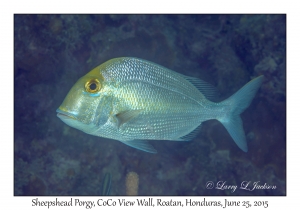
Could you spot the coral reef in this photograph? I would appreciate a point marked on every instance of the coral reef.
(132, 183)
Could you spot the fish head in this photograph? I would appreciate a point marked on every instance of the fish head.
(80, 108)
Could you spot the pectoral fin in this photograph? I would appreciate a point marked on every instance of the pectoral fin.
(126, 116)
(141, 145)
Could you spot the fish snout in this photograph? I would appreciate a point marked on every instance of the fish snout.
(64, 115)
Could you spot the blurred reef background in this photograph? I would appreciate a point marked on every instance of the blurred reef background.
(51, 52)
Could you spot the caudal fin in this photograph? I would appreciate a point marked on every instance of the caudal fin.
(239, 102)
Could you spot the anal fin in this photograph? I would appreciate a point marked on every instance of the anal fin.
(141, 145)
(191, 135)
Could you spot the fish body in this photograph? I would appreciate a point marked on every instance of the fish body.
(106, 184)
(134, 100)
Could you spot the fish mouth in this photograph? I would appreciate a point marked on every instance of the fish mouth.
(65, 115)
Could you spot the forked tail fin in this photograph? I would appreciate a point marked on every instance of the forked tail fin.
(238, 103)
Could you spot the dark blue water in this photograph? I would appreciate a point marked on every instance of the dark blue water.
(52, 51)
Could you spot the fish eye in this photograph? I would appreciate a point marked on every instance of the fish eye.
(92, 86)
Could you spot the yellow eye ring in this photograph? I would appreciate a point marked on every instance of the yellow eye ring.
(92, 86)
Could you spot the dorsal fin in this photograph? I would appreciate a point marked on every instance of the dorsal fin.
(208, 90)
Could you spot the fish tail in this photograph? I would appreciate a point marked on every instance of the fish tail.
(238, 103)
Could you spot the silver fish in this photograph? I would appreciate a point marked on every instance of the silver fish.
(106, 184)
(134, 100)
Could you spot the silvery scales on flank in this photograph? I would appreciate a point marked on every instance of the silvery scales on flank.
(133, 100)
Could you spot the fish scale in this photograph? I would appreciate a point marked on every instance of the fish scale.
(148, 72)
(155, 100)
(133, 100)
